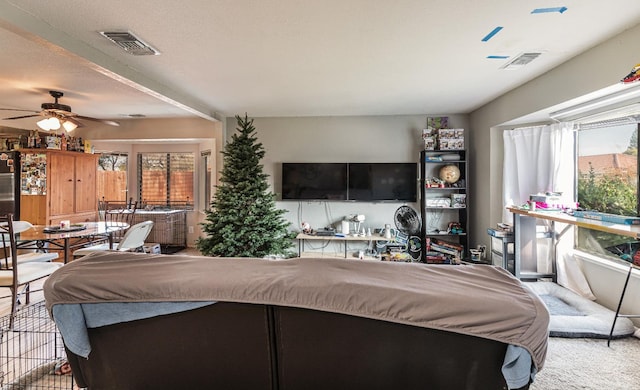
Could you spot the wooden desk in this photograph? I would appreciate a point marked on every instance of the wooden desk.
(524, 226)
(557, 216)
(36, 237)
(301, 237)
(521, 222)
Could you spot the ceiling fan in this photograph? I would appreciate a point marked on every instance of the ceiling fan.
(56, 115)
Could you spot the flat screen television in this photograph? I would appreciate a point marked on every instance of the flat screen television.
(383, 182)
(314, 181)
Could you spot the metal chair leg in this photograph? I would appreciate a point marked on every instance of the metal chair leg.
(14, 307)
(624, 289)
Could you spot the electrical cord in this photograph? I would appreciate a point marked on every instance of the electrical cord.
(327, 212)
(434, 222)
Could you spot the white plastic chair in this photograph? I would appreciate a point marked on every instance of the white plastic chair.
(133, 241)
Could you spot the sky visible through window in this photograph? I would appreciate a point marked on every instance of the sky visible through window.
(605, 140)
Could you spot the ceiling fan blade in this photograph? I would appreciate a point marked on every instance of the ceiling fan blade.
(20, 117)
(105, 121)
(15, 109)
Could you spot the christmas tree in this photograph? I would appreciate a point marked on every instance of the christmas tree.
(243, 220)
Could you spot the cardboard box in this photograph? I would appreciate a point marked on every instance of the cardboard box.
(87, 146)
(451, 139)
(459, 200)
(151, 247)
(429, 143)
(438, 202)
(53, 142)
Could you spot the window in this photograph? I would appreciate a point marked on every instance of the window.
(112, 177)
(607, 175)
(166, 179)
(206, 164)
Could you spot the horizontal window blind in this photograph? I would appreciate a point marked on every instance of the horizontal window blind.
(166, 179)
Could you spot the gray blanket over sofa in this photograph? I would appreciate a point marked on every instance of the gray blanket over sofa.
(477, 300)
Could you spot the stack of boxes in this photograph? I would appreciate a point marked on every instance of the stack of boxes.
(437, 135)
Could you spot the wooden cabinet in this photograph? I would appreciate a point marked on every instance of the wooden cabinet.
(60, 176)
(86, 185)
(69, 192)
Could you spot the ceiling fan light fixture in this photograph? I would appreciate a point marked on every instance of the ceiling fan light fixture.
(69, 126)
(54, 123)
(44, 124)
(47, 124)
(56, 115)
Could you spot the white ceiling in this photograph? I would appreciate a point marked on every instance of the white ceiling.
(287, 57)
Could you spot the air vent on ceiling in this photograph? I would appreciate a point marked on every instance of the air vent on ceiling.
(130, 43)
(520, 61)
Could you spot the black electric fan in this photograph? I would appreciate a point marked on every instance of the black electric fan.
(407, 220)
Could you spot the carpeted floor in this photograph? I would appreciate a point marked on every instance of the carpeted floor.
(589, 364)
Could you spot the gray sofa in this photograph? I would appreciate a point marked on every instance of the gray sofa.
(132, 321)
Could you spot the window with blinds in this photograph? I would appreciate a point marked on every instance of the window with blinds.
(166, 180)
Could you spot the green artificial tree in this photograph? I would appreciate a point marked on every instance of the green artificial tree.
(243, 220)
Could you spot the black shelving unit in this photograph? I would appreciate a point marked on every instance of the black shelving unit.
(437, 215)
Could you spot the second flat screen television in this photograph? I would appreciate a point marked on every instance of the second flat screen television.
(376, 182)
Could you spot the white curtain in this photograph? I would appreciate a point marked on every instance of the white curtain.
(540, 159)
(537, 159)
